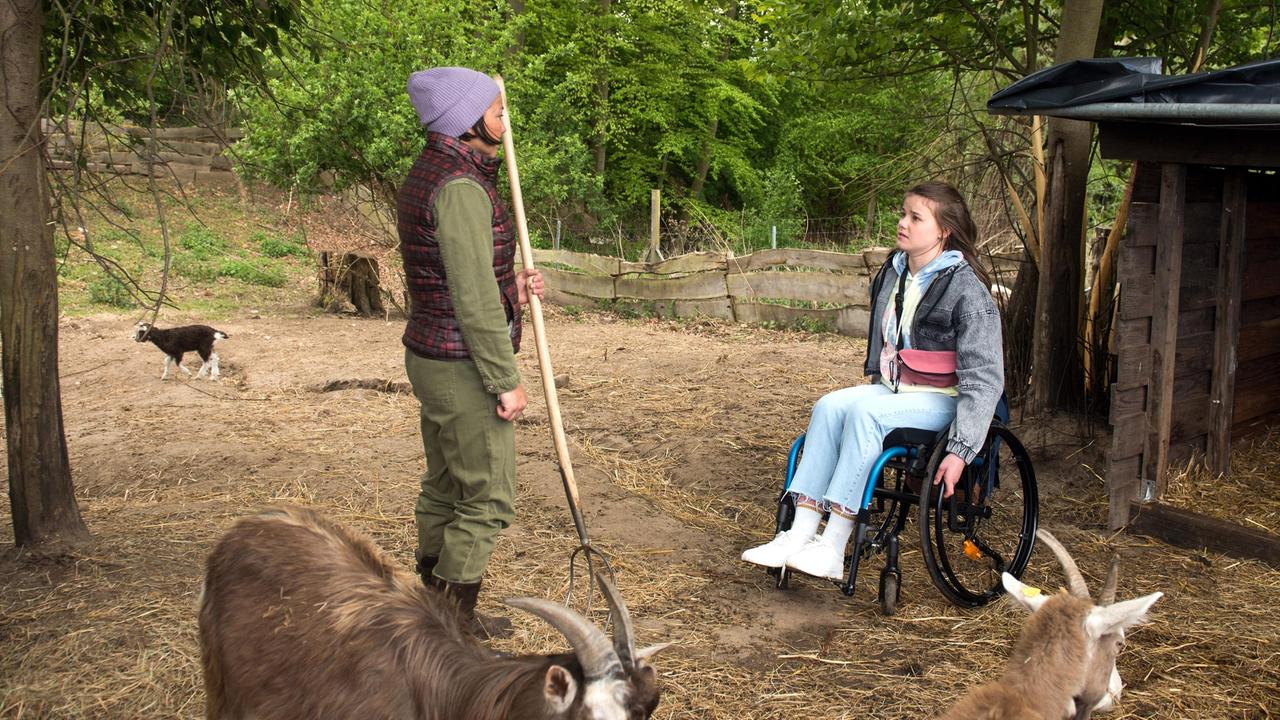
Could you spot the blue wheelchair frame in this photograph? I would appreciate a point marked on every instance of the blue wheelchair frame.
(908, 450)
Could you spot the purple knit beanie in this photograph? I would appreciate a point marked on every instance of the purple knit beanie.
(449, 100)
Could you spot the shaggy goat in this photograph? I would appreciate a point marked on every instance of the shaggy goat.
(176, 341)
(302, 618)
(1064, 663)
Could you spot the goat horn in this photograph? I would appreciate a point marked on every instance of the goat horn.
(594, 652)
(645, 653)
(1108, 595)
(623, 637)
(1075, 581)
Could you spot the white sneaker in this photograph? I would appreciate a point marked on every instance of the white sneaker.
(818, 559)
(775, 552)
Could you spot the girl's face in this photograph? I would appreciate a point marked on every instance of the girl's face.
(918, 229)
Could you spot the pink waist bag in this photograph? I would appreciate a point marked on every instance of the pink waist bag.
(935, 368)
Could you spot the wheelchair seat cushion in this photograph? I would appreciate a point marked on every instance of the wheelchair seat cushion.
(909, 436)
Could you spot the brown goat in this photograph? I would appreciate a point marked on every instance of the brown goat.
(303, 618)
(1063, 665)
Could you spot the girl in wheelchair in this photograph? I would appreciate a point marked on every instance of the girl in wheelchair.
(935, 356)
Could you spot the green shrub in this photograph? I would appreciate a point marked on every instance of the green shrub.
(812, 325)
(201, 242)
(277, 247)
(252, 273)
(189, 267)
(105, 289)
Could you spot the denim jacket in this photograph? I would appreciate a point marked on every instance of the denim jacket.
(956, 313)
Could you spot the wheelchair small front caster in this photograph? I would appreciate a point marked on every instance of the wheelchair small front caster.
(781, 578)
(784, 579)
(890, 591)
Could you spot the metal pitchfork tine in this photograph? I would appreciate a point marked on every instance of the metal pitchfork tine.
(589, 553)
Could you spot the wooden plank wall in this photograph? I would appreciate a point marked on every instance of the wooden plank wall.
(1258, 374)
(1256, 388)
(784, 286)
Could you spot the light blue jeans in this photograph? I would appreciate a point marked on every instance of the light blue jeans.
(846, 435)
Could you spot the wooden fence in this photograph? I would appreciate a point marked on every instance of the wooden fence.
(186, 154)
(785, 286)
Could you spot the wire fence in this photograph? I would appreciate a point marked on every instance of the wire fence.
(741, 233)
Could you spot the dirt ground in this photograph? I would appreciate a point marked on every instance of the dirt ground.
(679, 433)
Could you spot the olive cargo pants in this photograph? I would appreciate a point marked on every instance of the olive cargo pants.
(468, 490)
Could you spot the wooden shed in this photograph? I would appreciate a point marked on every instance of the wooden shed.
(1198, 322)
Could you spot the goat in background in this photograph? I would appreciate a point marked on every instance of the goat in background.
(303, 618)
(174, 342)
(1064, 663)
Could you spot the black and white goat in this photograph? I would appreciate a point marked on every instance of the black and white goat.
(176, 341)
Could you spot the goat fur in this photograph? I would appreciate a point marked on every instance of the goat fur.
(1063, 664)
(175, 342)
(303, 618)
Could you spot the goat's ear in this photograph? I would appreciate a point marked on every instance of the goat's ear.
(1029, 598)
(559, 688)
(1120, 616)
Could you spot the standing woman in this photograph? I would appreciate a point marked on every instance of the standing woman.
(458, 244)
(931, 295)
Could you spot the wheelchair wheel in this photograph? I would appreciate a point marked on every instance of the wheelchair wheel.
(987, 527)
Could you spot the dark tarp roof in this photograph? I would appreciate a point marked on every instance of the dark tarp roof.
(1105, 85)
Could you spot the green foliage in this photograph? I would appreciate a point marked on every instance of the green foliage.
(337, 99)
(274, 246)
(813, 325)
(804, 324)
(745, 115)
(194, 269)
(105, 289)
(107, 59)
(201, 242)
(251, 272)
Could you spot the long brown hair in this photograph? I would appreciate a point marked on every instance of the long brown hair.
(952, 214)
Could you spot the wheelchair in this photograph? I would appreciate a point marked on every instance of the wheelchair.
(986, 527)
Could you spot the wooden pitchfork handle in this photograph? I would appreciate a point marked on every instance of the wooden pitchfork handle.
(544, 355)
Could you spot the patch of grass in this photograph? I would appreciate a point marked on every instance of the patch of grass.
(105, 289)
(274, 246)
(201, 242)
(194, 269)
(804, 324)
(813, 325)
(802, 304)
(218, 266)
(253, 273)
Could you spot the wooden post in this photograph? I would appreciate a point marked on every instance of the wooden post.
(1164, 327)
(655, 218)
(1226, 334)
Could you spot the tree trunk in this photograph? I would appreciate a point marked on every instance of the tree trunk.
(1057, 381)
(704, 157)
(1210, 16)
(41, 496)
(704, 160)
(1097, 327)
(516, 51)
(602, 97)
